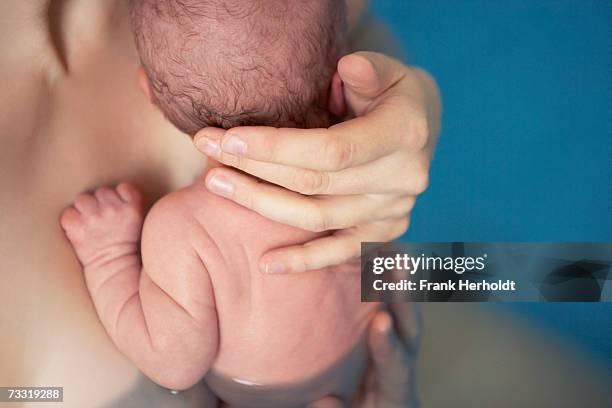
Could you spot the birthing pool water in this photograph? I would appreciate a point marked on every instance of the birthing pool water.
(525, 152)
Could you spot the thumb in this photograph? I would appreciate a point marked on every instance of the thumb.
(367, 75)
(393, 365)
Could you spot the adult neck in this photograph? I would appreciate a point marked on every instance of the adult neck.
(76, 26)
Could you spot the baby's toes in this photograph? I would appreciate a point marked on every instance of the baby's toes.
(72, 223)
(86, 204)
(107, 196)
(129, 193)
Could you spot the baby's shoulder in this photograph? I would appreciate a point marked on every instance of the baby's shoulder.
(174, 217)
(194, 207)
(193, 210)
(172, 209)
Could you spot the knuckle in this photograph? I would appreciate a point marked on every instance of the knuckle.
(410, 202)
(338, 154)
(419, 129)
(317, 224)
(269, 146)
(405, 206)
(421, 182)
(418, 179)
(402, 227)
(406, 185)
(311, 182)
(318, 221)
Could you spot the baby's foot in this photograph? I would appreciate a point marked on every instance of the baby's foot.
(105, 225)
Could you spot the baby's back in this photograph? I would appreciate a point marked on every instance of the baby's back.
(273, 329)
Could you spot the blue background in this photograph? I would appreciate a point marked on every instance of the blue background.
(525, 152)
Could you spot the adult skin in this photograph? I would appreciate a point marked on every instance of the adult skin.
(72, 118)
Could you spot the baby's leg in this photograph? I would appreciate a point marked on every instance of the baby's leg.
(169, 333)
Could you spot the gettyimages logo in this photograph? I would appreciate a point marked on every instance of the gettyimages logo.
(486, 271)
(412, 264)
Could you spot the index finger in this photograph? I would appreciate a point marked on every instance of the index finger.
(347, 144)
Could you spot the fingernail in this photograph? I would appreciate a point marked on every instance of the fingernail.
(385, 323)
(234, 145)
(209, 147)
(274, 267)
(220, 185)
(386, 341)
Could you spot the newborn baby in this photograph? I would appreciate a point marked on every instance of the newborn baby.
(182, 295)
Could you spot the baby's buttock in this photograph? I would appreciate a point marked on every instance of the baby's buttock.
(341, 379)
(287, 329)
(276, 329)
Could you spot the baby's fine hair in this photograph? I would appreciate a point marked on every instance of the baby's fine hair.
(230, 63)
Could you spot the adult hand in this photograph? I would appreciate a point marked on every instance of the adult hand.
(390, 380)
(359, 178)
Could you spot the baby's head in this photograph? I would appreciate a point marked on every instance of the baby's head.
(228, 63)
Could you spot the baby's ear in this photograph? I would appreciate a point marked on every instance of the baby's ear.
(143, 81)
(336, 104)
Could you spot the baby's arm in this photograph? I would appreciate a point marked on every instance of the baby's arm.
(159, 312)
